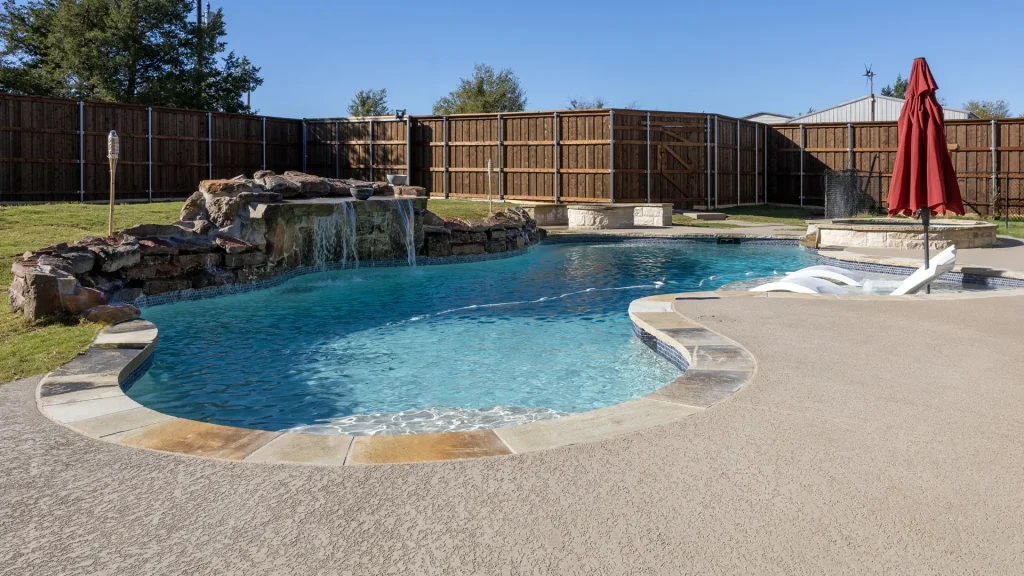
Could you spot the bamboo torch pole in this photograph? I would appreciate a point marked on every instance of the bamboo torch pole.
(112, 151)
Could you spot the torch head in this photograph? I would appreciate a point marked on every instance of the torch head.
(112, 145)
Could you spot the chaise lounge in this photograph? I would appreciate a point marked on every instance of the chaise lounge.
(827, 279)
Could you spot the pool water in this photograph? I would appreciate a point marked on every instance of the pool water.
(433, 348)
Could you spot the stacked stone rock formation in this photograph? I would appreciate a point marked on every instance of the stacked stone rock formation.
(245, 230)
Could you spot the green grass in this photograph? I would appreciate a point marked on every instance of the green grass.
(1016, 228)
(680, 220)
(464, 208)
(775, 215)
(27, 349)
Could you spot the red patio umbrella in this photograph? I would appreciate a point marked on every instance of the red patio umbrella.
(923, 179)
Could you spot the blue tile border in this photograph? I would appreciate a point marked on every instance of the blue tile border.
(661, 349)
(709, 239)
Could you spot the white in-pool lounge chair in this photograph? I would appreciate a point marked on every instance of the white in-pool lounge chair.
(810, 281)
(833, 273)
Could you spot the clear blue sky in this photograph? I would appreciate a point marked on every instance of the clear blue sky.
(727, 57)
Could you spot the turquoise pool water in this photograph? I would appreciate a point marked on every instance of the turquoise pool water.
(430, 348)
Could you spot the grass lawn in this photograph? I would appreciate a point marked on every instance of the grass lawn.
(1016, 228)
(27, 349)
(777, 215)
(680, 220)
(464, 208)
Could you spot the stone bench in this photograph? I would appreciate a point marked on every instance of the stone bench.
(601, 216)
(549, 214)
(652, 214)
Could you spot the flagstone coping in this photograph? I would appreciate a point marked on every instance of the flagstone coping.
(87, 395)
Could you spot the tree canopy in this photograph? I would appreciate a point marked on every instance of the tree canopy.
(149, 52)
(581, 104)
(487, 91)
(897, 89)
(988, 108)
(369, 103)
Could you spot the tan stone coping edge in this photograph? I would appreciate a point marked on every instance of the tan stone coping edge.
(86, 395)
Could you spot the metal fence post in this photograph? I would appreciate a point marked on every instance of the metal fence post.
(764, 196)
(501, 159)
(81, 151)
(707, 161)
(849, 146)
(337, 151)
(995, 162)
(263, 142)
(757, 164)
(611, 156)
(408, 150)
(371, 150)
(149, 145)
(647, 138)
(716, 160)
(801, 164)
(303, 146)
(554, 127)
(209, 145)
(739, 196)
(444, 154)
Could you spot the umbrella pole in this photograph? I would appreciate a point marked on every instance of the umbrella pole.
(926, 215)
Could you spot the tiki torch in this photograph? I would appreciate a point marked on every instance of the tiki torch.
(112, 159)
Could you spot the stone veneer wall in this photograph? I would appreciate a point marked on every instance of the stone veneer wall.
(234, 232)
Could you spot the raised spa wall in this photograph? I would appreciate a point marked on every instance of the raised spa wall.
(904, 234)
(235, 231)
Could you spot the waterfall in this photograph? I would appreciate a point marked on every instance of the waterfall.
(334, 238)
(406, 212)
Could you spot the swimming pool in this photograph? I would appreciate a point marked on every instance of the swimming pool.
(434, 348)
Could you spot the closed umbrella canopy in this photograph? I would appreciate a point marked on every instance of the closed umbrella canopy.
(923, 176)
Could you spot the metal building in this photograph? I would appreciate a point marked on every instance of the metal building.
(768, 118)
(869, 109)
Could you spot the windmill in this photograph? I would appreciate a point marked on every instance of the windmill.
(870, 75)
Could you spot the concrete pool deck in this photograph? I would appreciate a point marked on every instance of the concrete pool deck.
(837, 457)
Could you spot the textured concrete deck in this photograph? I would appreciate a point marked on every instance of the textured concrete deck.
(837, 458)
(1008, 255)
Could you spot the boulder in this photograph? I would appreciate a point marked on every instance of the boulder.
(157, 246)
(431, 219)
(82, 261)
(194, 208)
(233, 245)
(309, 185)
(223, 209)
(114, 257)
(280, 185)
(160, 286)
(417, 191)
(35, 294)
(339, 187)
(214, 277)
(230, 187)
(112, 314)
(246, 260)
(82, 300)
(260, 174)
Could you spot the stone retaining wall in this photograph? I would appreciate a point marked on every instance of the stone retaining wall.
(245, 230)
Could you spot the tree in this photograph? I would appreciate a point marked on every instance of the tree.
(369, 103)
(988, 108)
(149, 52)
(486, 91)
(580, 104)
(898, 89)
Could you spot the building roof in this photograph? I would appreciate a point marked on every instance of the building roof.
(748, 116)
(893, 103)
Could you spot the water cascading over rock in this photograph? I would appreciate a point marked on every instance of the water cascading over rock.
(334, 238)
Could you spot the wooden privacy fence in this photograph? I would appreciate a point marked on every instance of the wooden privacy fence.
(54, 150)
(602, 155)
(988, 156)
